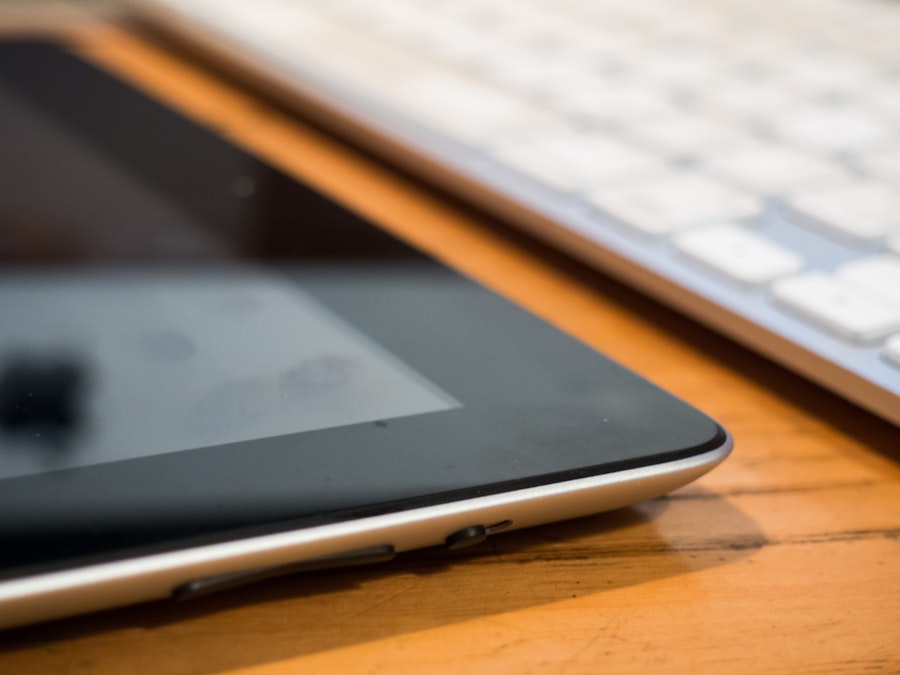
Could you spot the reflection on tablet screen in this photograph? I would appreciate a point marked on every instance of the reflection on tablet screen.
(186, 360)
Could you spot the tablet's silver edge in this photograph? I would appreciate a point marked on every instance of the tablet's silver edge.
(66, 593)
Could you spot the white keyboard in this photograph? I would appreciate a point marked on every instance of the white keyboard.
(738, 159)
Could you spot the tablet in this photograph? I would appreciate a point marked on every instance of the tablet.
(211, 373)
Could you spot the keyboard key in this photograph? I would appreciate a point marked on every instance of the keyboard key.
(516, 70)
(838, 307)
(862, 212)
(602, 100)
(448, 40)
(884, 165)
(893, 243)
(575, 160)
(771, 169)
(878, 276)
(681, 67)
(673, 203)
(831, 129)
(395, 20)
(463, 109)
(884, 99)
(828, 73)
(685, 135)
(892, 350)
(739, 254)
(742, 99)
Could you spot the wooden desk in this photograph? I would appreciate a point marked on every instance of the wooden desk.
(785, 558)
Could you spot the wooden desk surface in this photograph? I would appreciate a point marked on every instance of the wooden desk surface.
(784, 559)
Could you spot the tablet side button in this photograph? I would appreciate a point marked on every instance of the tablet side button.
(468, 536)
(208, 585)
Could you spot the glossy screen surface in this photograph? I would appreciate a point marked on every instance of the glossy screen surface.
(195, 346)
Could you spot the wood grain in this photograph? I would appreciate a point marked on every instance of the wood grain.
(784, 559)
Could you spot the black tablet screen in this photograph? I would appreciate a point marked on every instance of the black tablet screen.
(193, 343)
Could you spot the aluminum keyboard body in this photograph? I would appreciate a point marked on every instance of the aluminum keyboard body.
(738, 160)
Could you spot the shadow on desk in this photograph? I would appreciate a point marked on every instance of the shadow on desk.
(289, 617)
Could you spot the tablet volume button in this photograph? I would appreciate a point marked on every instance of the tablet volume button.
(209, 585)
(468, 536)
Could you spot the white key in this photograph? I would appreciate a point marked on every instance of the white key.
(827, 73)
(863, 212)
(395, 20)
(578, 83)
(893, 243)
(685, 134)
(831, 129)
(738, 253)
(514, 69)
(838, 307)
(771, 169)
(575, 161)
(535, 77)
(680, 67)
(463, 109)
(884, 100)
(878, 276)
(674, 203)
(606, 101)
(884, 165)
(759, 56)
(525, 27)
(450, 41)
(746, 100)
(892, 349)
